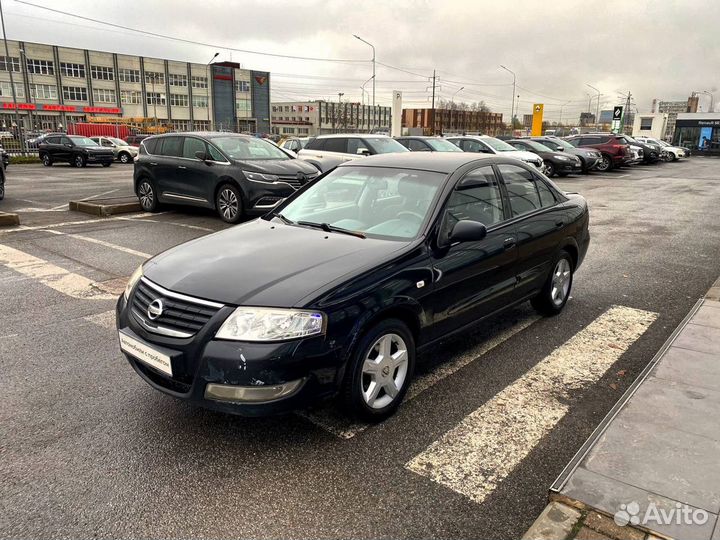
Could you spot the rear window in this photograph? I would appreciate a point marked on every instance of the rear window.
(150, 145)
(336, 145)
(170, 146)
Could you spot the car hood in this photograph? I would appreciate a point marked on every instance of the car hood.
(521, 154)
(278, 166)
(265, 263)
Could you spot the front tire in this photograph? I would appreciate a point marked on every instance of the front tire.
(228, 203)
(555, 293)
(79, 162)
(46, 160)
(124, 157)
(147, 196)
(549, 169)
(380, 371)
(605, 164)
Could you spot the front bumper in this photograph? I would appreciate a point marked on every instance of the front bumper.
(100, 158)
(249, 379)
(567, 166)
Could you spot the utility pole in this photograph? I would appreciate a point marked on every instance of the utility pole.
(12, 84)
(512, 106)
(626, 110)
(597, 113)
(340, 95)
(432, 115)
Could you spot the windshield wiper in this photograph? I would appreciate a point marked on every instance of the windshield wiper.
(331, 228)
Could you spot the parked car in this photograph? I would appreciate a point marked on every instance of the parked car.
(614, 151)
(2, 183)
(295, 144)
(490, 145)
(667, 151)
(35, 140)
(74, 149)
(327, 151)
(636, 154)
(589, 157)
(123, 151)
(5, 157)
(335, 291)
(555, 162)
(135, 140)
(427, 144)
(651, 151)
(230, 173)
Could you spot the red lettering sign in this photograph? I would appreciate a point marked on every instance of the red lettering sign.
(21, 106)
(102, 110)
(64, 108)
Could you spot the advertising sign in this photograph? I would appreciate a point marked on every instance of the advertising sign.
(617, 118)
(537, 119)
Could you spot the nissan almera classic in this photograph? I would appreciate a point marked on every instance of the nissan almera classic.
(336, 290)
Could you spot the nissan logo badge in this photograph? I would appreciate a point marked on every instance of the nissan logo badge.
(155, 309)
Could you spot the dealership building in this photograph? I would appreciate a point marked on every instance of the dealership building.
(56, 86)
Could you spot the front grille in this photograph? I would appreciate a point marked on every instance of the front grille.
(181, 316)
(294, 181)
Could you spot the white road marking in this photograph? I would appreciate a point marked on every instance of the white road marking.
(106, 319)
(336, 423)
(23, 228)
(173, 223)
(53, 276)
(103, 243)
(91, 197)
(481, 451)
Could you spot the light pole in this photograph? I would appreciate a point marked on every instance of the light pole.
(12, 84)
(561, 110)
(363, 95)
(452, 101)
(512, 107)
(23, 58)
(340, 95)
(597, 113)
(207, 72)
(373, 73)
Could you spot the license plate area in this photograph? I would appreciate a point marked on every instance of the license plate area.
(146, 354)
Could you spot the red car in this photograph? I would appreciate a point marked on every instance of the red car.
(615, 152)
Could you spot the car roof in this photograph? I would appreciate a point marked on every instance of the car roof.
(346, 135)
(206, 134)
(421, 137)
(442, 162)
(471, 137)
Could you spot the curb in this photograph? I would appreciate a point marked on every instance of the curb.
(556, 522)
(106, 207)
(9, 220)
(714, 291)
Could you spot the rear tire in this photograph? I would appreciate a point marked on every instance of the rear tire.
(47, 160)
(229, 204)
(147, 196)
(555, 293)
(124, 157)
(379, 372)
(79, 162)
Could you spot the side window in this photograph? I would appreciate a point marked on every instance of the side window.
(547, 197)
(418, 146)
(585, 141)
(150, 145)
(473, 146)
(520, 146)
(574, 142)
(215, 153)
(105, 142)
(520, 184)
(338, 144)
(477, 197)
(316, 144)
(53, 140)
(404, 142)
(353, 145)
(192, 145)
(170, 146)
(65, 140)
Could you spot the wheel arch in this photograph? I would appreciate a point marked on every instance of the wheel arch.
(570, 245)
(223, 180)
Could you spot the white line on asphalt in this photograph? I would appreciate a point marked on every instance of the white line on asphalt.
(106, 319)
(103, 243)
(91, 197)
(336, 423)
(173, 223)
(481, 451)
(53, 276)
(23, 228)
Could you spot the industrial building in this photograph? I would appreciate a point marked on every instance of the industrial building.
(439, 121)
(311, 118)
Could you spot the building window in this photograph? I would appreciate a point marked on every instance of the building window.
(74, 93)
(102, 73)
(155, 98)
(180, 125)
(200, 101)
(154, 77)
(242, 86)
(43, 91)
(40, 67)
(645, 123)
(177, 80)
(199, 82)
(104, 95)
(303, 131)
(129, 75)
(201, 125)
(179, 100)
(243, 107)
(287, 130)
(8, 63)
(6, 90)
(72, 70)
(130, 97)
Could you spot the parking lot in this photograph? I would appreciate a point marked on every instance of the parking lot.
(89, 449)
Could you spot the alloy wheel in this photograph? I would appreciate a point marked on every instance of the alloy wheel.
(384, 371)
(46, 160)
(79, 161)
(228, 204)
(124, 158)
(604, 164)
(549, 169)
(560, 282)
(146, 195)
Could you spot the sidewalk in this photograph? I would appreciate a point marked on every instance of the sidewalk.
(653, 464)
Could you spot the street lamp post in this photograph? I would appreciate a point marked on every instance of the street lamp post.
(207, 72)
(512, 106)
(373, 73)
(18, 129)
(561, 110)
(452, 101)
(31, 86)
(597, 112)
(363, 95)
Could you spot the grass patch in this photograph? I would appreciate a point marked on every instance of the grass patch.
(19, 160)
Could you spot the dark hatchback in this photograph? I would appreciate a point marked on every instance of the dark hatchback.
(334, 292)
(230, 173)
(555, 162)
(74, 149)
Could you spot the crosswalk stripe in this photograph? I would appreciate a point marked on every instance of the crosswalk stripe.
(474, 457)
(53, 276)
(338, 424)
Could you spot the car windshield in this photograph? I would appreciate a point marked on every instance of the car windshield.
(117, 142)
(498, 145)
(83, 141)
(442, 145)
(249, 148)
(663, 143)
(559, 142)
(385, 145)
(538, 147)
(378, 202)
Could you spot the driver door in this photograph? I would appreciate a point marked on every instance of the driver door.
(473, 279)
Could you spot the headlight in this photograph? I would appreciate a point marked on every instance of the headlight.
(134, 278)
(562, 158)
(260, 177)
(270, 324)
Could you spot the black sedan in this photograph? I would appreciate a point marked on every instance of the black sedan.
(336, 291)
(555, 162)
(589, 157)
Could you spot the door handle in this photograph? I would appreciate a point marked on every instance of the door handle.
(509, 242)
(153, 163)
(181, 167)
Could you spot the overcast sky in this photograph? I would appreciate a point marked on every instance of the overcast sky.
(655, 49)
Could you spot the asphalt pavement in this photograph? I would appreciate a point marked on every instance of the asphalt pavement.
(87, 449)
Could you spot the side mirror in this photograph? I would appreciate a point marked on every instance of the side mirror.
(560, 148)
(202, 156)
(468, 230)
(363, 152)
(69, 145)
